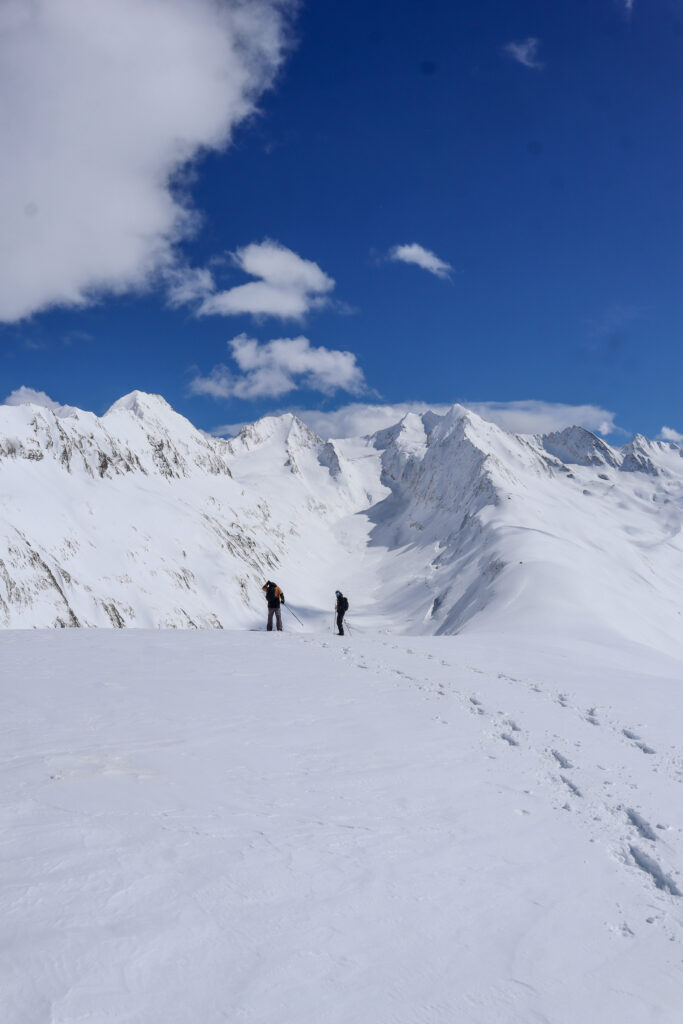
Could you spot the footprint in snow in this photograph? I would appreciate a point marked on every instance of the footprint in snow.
(641, 825)
(636, 740)
(477, 706)
(571, 787)
(509, 739)
(562, 760)
(622, 930)
(650, 866)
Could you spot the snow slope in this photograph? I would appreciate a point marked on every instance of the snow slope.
(506, 532)
(211, 826)
(436, 525)
(135, 519)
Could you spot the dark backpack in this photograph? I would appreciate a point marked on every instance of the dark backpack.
(343, 604)
(270, 596)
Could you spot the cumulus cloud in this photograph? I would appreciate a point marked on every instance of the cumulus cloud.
(279, 367)
(29, 396)
(525, 53)
(421, 257)
(286, 285)
(525, 417)
(103, 104)
(669, 434)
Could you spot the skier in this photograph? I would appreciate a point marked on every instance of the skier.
(341, 608)
(274, 597)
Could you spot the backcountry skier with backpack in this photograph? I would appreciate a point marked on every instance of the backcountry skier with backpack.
(275, 598)
(341, 608)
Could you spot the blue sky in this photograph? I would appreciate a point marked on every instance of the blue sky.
(535, 148)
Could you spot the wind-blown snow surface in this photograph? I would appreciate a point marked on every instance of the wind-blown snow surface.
(229, 826)
(436, 525)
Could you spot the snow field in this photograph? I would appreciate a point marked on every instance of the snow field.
(232, 826)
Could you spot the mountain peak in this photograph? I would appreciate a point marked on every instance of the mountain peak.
(141, 403)
(578, 446)
(283, 428)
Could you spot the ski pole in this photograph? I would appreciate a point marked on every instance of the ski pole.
(294, 614)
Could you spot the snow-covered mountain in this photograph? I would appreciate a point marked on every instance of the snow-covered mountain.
(539, 532)
(139, 519)
(437, 524)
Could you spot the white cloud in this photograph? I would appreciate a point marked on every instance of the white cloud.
(287, 285)
(279, 367)
(526, 417)
(29, 396)
(360, 418)
(536, 417)
(103, 103)
(525, 52)
(186, 285)
(669, 434)
(421, 257)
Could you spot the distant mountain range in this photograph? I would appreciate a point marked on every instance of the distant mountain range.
(439, 523)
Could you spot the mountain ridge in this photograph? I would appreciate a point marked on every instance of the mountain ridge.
(436, 524)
